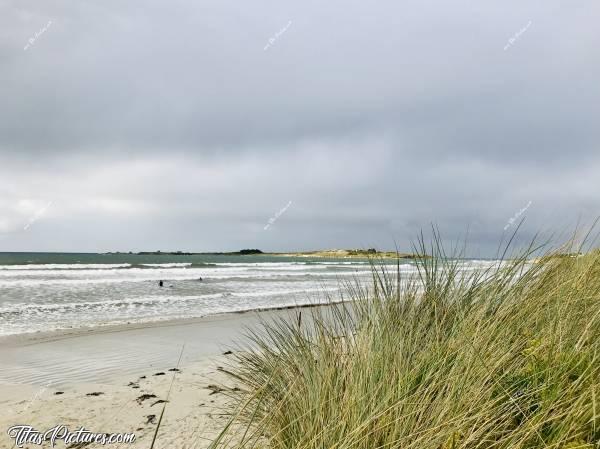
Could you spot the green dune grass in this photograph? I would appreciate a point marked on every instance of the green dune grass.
(507, 357)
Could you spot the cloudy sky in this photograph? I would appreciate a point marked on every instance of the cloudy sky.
(145, 125)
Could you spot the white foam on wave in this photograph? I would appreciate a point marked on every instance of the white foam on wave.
(267, 293)
(25, 318)
(66, 266)
(257, 264)
(130, 272)
(107, 303)
(24, 308)
(167, 265)
(358, 262)
(188, 275)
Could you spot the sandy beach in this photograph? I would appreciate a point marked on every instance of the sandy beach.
(299, 225)
(115, 379)
(131, 404)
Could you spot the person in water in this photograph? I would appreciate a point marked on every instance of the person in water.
(160, 283)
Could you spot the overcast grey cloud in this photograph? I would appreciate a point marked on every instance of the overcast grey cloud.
(165, 125)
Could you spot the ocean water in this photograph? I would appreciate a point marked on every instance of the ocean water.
(41, 292)
(45, 291)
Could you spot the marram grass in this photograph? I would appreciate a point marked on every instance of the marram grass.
(503, 358)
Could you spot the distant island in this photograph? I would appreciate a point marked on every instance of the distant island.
(348, 253)
(243, 252)
(330, 253)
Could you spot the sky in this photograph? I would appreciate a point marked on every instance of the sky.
(195, 125)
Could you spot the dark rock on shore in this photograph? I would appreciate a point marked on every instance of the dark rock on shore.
(143, 397)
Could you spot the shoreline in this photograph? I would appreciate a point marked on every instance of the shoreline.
(39, 337)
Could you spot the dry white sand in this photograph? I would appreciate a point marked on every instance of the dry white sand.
(193, 415)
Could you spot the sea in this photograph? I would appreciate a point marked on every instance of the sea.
(52, 291)
(61, 291)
